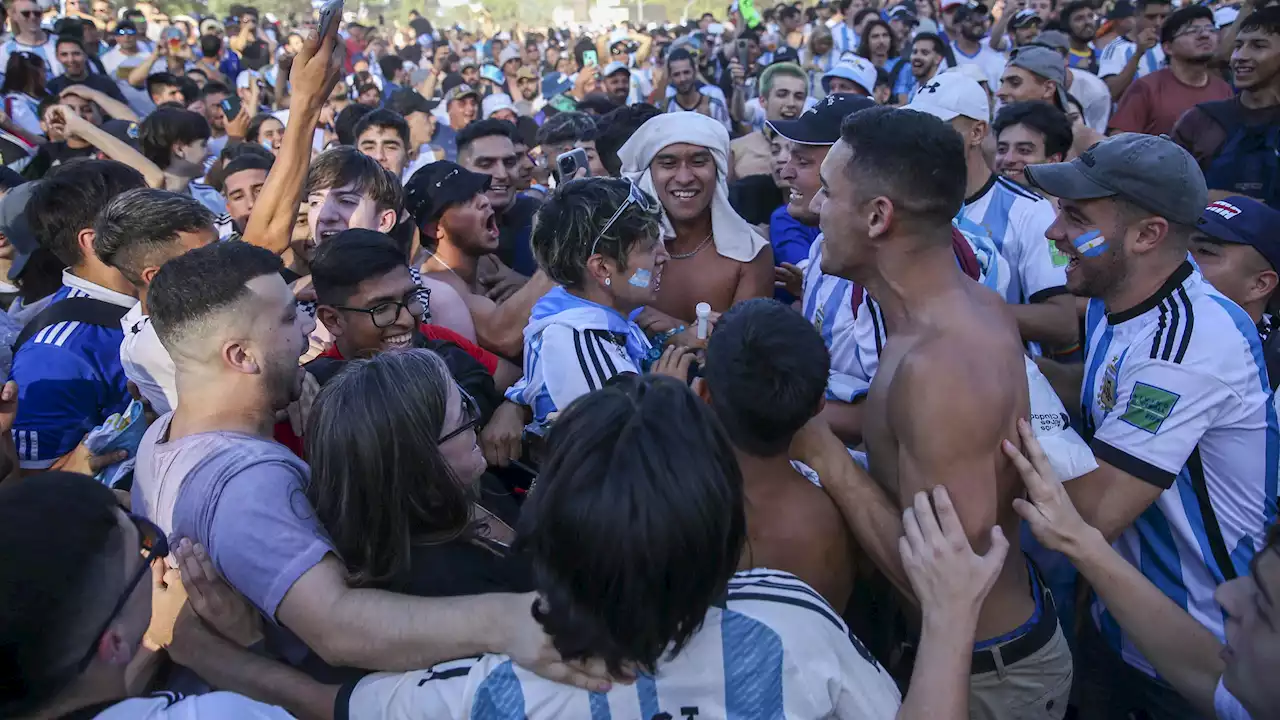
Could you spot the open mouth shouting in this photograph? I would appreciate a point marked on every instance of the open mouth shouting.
(491, 225)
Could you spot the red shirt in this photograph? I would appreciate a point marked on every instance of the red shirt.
(1153, 103)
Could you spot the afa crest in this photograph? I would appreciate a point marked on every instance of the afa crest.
(1107, 394)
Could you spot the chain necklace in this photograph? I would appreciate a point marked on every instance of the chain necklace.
(686, 256)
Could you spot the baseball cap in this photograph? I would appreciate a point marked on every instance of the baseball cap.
(970, 9)
(1054, 40)
(1242, 220)
(526, 73)
(1046, 63)
(556, 84)
(854, 69)
(509, 53)
(124, 130)
(949, 4)
(491, 73)
(785, 54)
(210, 26)
(951, 95)
(13, 223)
(437, 186)
(927, 25)
(1122, 9)
(466, 63)
(495, 103)
(614, 67)
(902, 13)
(1026, 17)
(1150, 171)
(459, 91)
(820, 124)
(407, 101)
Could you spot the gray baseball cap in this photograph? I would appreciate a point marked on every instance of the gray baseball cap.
(1046, 63)
(1150, 171)
(1054, 40)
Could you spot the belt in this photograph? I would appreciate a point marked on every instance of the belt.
(1022, 647)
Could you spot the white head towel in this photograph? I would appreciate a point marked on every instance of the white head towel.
(734, 237)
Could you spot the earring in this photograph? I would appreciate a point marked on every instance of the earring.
(608, 282)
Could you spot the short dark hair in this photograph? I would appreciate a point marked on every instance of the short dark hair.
(1182, 17)
(482, 129)
(1070, 9)
(55, 592)
(1266, 20)
(787, 11)
(136, 224)
(864, 12)
(567, 127)
(349, 258)
(913, 158)
(767, 372)
(615, 129)
(210, 45)
(69, 199)
(384, 119)
(161, 79)
(570, 219)
(252, 132)
(345, 165)
(681, 53)
(939, 45)
(390, 65)
(345, 124)
(1142, 4)
(653, 469)
(166, 127)
(69, 40)
(196, 285)
(248, 161)
(1040, 116)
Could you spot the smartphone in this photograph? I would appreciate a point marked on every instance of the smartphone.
(230, 107)
(173, 36)
(589, 57)
(568, 163)
(330, 14)
(744, 53)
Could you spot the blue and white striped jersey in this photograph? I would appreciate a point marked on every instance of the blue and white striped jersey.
(48, 52)
(1117, 53)
(572, 346)
(1175, 393)
(844, 39)
(69, 380)
(1016, 219)
(775, 649)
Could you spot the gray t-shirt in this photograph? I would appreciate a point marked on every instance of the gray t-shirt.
(240, 496)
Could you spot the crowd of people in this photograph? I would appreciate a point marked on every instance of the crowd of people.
(850, 360)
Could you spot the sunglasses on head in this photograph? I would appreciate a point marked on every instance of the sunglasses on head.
(635, 196)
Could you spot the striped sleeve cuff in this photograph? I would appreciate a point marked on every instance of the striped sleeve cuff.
(1136, 467)
(846, 388)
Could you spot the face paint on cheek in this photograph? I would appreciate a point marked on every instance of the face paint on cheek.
(640, 278)
(1090, 244)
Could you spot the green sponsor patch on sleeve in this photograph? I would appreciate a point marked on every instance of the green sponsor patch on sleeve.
(1149, 406)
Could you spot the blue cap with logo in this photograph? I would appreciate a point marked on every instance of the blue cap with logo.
(1242, 220)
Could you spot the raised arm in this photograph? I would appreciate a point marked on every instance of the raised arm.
(313, 77)
(138, 75)
(500, 326)
(110, 145)
(109, 105)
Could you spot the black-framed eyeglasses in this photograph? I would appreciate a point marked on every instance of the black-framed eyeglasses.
(470, 417)
(386, 314)
(635, 196)
(154, 546)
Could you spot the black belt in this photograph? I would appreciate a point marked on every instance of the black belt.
(1019, 649)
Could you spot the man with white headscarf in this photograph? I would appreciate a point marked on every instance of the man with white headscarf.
(682, 159)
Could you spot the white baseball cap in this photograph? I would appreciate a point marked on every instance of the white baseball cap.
(951, 95)
(495, 103)
(856, 69)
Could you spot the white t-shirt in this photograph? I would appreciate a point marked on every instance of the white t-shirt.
(1094, 95)
(991, 61)
(138, 98)
(47, 51)
(147, 363)
(1116, 55)
(210, 706)
(1175, 393)
(776, 649)
(1017, 219)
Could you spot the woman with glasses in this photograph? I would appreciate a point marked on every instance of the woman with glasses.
(396, 481)
(581, 333)
(23, 89)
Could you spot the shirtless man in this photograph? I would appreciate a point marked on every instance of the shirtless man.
(791, 524)
(716, 257)
(941, 401)
(451, 208)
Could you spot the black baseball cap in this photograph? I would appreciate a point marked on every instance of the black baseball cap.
(13, 223)
(407, 101)
(436, 187)
(1241, 220)
(820, 124)
(785, 54)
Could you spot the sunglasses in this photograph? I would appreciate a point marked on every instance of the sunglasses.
(470, 417)
(154, 546)
(126, 31)
(29, 13)
(635, 196)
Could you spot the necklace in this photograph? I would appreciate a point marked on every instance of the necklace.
(686, 256)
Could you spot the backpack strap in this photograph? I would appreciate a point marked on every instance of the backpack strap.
(79, 309)
(1224, 112)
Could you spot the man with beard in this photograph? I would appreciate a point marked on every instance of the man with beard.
(1080, 21)
(529, 101)
(1131, 56)
(1022, 28)
(682, 73)
(1234, 141)
(76, 71)
(683, 161)
(451, 206)
(1175, 395)
(617, 83)
(928, 55)
(891, 187)
(1029, 133)
(488, 147)
(1154, 102)
(969, 45)
(783, 89)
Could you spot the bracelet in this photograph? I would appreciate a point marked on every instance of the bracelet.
(659, 342)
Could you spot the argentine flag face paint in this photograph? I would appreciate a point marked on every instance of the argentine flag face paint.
(1091, 244)
(640, 278)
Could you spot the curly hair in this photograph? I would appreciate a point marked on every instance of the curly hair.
(570, 221)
